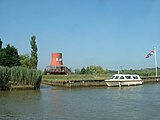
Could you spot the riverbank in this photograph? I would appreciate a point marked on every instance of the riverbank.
(20, 87)
(85, 80)
(75, 80)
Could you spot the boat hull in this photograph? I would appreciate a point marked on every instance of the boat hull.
(123, 83)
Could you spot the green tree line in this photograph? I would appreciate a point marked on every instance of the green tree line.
(10, 57)
(18, 69)
(100, 70)
(91, 70)
(142, 72)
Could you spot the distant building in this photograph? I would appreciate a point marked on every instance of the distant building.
(56, 66)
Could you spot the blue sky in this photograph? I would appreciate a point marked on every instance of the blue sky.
(109, 33)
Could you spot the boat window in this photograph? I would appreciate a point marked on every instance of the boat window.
(121, 77)
(116, 77)
(128, 77)
(135, 77)
(113, 77)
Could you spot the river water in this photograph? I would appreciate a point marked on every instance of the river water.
(90, 103)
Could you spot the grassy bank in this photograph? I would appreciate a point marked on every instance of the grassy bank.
(19, 76)
(75, 80)
(75, 77)
(86, 80)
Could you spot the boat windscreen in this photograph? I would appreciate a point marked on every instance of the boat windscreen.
(116, 77)
(128, 77)
(121, 77)
(112, 77)
(135, 77)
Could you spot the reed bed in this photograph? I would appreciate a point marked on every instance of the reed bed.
(19, 76)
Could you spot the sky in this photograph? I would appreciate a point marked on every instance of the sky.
(114, 34)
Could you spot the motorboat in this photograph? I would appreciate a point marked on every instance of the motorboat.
(124, 80)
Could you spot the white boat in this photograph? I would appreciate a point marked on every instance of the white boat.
(124, 80)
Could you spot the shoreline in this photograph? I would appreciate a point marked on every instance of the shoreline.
(89, 83)
(75, 82)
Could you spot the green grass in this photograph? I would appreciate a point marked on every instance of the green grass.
(76, 77)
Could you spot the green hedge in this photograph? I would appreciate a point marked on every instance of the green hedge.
(19, 76)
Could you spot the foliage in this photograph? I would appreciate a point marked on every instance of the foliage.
(2, 56)
(112, 71)
(83, 71)
(30, 61)
(22, 75)
(4, 77)
(9, 56)
(77, 71)
(97, 70)
(34, 55)
(93, 70)
(142, 72)
(19, 76)
(25, 61)
(0, 43)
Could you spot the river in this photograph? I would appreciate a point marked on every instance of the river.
(90, 103)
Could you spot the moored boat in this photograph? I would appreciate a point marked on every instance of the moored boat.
(124, 80)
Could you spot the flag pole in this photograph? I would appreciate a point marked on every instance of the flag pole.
(156, 66)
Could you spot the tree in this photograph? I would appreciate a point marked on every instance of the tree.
(34, 55)
(25, 61)
(93, 70)
(9, 56)
(2, 56)
(77, 71)
(83, 71)
(99, 70)
(1, 43)
(88, 70)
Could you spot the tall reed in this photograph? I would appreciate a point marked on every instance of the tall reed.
(19, 76)
(4, 77)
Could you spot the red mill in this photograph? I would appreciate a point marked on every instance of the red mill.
(56, 66)
(56, 59)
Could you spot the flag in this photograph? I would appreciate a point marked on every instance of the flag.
(151, 53)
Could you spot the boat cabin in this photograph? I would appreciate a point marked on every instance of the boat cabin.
(125, 77)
